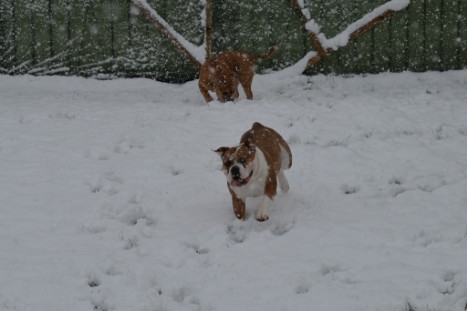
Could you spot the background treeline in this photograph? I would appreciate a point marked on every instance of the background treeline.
(110, 38)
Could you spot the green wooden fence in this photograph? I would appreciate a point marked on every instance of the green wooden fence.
(110, 37)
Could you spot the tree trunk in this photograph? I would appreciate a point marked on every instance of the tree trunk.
(208, 33)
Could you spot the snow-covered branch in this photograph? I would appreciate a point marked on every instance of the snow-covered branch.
(365, 23)
(195, 54)
(325, 46)
(310, 25)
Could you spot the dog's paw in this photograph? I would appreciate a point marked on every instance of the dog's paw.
(283, 183)
(261, 217)
(284, 187)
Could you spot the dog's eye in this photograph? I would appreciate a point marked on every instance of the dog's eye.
(242, 161)
(228, 163)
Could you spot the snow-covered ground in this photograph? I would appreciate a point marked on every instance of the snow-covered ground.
(112, 199)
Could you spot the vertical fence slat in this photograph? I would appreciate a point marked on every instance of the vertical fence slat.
(315, 9)
(3, 30)
(94, 36)
(23, 36)
(274, 32)
(140, 51)
(398, 53)
(346, 58)
(59, 40)
(14, 34)
(364, 44)
(331, 26)
(449, 34)
(50, 29)
(121, 37)
(253, 15)
(462, 35)
(416, 36)
(382, 46)
(184, 17)
(41, 34)
(433, 34)
(226, 21)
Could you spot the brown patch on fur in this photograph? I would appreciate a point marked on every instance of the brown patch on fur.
(270, 143)
(238, 205)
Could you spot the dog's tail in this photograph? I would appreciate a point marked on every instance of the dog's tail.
(268, 54)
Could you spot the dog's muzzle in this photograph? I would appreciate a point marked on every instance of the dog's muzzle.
(237, 180)
(227, 97)
(235, 172)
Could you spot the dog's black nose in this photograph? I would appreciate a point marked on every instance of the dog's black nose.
(235, 172)
(227, 97)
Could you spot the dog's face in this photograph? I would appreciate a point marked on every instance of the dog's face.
(238, 163)
(227, 91)
(226, 84)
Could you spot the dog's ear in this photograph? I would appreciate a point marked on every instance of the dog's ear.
(220, 151)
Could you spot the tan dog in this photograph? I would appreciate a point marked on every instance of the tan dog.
(223, 72)
(254, 167)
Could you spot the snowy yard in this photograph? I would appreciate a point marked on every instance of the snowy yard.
(112, 199)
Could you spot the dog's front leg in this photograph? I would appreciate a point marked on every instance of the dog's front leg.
(262, 211)
(238, 206)
(204, 91)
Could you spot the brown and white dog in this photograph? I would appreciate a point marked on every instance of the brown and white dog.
(254, 167)
(222, 74)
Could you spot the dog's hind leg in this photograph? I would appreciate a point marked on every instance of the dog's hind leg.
(283, 182)
(248, 92)
(246, 80)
